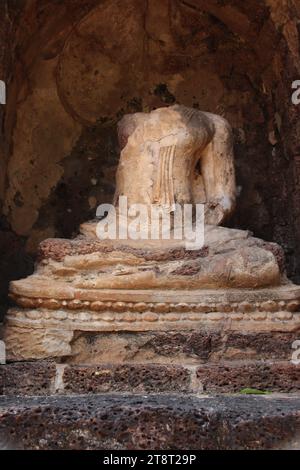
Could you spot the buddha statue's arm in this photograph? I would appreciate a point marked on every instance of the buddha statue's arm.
(217, 168)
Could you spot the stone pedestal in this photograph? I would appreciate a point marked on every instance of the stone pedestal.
(47, 327)
(86, 288)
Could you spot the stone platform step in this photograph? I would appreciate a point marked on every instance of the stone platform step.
(50, 378)
(149, 422)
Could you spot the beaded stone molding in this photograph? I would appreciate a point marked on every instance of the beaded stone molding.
(158, 307)
(275, 299)
(50, 317)
(122, 314)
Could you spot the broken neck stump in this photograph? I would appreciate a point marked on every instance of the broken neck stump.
(93, 300)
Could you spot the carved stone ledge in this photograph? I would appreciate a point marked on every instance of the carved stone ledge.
(39, 333)
(39, 318)
(284, 298)
(42, 327)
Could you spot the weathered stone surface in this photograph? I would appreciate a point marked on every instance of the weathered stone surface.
(171, 346)
(42, 343)
(49, 378)
(153, 347)
(264, 376)
(263, 345)
(40, 334)
(133, 378)
(151, 422)
(28, 378)
(183, 347)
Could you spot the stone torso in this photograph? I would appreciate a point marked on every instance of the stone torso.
(160, 154)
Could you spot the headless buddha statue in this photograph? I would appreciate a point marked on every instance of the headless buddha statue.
(169, 157)
(177, 155)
